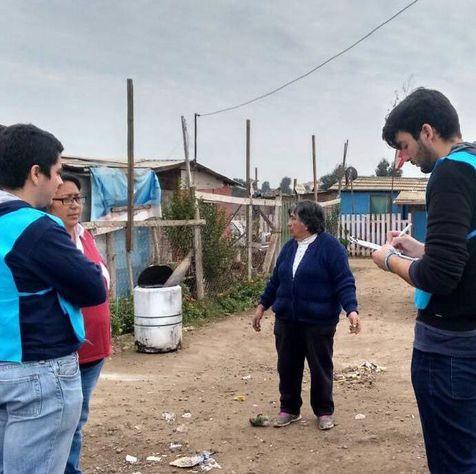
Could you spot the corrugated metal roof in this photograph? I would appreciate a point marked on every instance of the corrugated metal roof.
(300, 189)
(384, 183)
(416, 198)
(80, 162)
(83, 164)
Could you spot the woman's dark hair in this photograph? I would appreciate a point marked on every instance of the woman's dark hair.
(69, 177)
(23, 146)
(310, 214)
(420, 107)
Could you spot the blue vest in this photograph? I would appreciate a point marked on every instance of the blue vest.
(12, 225)
(422, 298)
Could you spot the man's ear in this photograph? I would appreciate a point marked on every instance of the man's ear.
(34, 174)
(428, 134)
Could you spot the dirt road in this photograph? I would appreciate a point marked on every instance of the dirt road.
(226, 359)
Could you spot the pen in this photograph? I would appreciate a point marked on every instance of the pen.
(405, 230)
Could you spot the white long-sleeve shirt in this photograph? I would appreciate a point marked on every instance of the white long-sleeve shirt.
(301, 250)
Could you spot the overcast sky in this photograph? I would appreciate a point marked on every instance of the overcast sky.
(64, 66)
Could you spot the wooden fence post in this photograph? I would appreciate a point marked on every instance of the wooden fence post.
(249, 208)
(314, 169)
(130, 180)
(111, 264)
(197, 235)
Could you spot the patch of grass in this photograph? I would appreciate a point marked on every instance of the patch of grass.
(240, 297)
(122, 316)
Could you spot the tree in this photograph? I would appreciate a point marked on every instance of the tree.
(395, 172)
(385, 169)
(331, 178)
(240, 181)
(239, 191)
(285, 185)
(265, 187)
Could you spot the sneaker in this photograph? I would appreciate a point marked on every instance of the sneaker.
(285, 419)
(326, 422)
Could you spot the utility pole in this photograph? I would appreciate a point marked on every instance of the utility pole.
(249, 208)
(195, 117)
(314, 170)
(346, 144)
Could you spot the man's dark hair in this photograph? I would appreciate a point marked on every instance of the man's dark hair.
(310, 214)
(21, 147)
(69, 177)
(420, 107)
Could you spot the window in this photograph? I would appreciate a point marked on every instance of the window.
(380, 203)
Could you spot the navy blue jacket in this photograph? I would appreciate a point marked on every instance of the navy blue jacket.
(44, 280)
(447, 270)
(322, 285)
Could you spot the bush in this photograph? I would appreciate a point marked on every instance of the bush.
(122, 316)
(217, 246)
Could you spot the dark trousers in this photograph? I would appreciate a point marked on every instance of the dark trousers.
(294, 343)
(445, 390)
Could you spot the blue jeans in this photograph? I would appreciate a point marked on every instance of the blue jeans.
(445, 390)
(89, 378)
(40, 404)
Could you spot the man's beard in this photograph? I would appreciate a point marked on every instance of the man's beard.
(426, 158)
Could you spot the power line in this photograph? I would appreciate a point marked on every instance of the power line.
(353, 45)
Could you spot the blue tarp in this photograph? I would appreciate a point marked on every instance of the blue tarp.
(109, 189)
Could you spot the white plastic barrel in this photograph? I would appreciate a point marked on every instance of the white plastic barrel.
(158, 318)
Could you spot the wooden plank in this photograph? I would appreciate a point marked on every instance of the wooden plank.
(277, 224)
(243, 201)
(130, 164)
(197, 236)
(268, 259)
(249, 209)
(265, 217)
(111, 264)
(198, 252)
(314, 169)
(116, 225)
(155, 245)
(367, 234)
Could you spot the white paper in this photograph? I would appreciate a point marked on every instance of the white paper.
(372, 246)
(364, 243)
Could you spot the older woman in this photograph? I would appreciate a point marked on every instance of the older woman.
(310, 284)
(67, 205)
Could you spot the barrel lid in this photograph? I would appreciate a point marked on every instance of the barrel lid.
(154, 276)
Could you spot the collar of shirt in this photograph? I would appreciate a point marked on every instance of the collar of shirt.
(5, 196)
(79, 232)
(307, 240)
(301, 250)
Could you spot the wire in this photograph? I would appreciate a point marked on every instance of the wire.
(353, 45)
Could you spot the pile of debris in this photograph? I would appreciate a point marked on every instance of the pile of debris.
(364, 373)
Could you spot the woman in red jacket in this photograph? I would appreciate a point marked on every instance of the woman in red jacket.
(67, 205)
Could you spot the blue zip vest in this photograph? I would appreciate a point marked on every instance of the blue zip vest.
(422, 298)
(13, 224)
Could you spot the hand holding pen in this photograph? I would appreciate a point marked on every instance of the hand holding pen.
(404, 243)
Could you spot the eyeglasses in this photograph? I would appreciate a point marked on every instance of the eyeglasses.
(69, 200)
